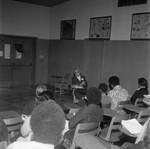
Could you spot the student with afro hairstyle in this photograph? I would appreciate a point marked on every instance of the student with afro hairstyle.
(25, 128)
(47, 124)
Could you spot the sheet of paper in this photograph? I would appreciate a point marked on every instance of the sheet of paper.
(7, 51)
(132, 125)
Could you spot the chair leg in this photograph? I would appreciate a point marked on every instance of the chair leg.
(75, 100)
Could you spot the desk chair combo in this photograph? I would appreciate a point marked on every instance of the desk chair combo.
(13, 122)
(62, 86)
(143, 116)
(83, 129)
(112, 132)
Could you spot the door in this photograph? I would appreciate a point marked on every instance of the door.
(16, 61)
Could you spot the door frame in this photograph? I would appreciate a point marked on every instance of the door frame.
(33, 53)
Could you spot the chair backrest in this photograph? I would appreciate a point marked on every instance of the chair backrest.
(3, 145)
(87, 128)
(65, 77)
(139, 102)
(115, 125)
(13, 124)
(143, 116)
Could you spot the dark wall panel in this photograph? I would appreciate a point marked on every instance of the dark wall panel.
(42, 50)
(64, 56)
(93, 61)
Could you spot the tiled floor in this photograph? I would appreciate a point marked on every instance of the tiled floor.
(15, 99)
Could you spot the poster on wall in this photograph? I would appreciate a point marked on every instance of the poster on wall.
(67, 29)
(100, 27)
(140, 28)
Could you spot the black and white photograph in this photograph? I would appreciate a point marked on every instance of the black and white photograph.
(74, 74)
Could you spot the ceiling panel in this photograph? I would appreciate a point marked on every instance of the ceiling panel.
(48, 3)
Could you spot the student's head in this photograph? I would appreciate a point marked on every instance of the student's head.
(77, 72)
(41, 99)
(142, 82)
(103, 88)
(39, 89)
(94, 96)
(113, 81)
(47, 123)
(48, 95)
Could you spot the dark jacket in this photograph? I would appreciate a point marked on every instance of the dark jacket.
(75, 81)
(138, 94)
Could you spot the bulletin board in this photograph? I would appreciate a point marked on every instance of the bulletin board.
(140, 28)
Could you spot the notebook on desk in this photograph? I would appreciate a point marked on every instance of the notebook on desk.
(132, 125)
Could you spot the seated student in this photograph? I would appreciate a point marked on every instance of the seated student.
(25, 128)
(79, 85)
(47, 124)
(117, 93)
(142, 90)
(41, 95)
(91, 113)
(41, 90)
(106, 100)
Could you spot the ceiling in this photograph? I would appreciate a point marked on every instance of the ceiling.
(48, 3)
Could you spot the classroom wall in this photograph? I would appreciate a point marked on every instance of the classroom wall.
(83, 10)
(64, 56)
(24, 19)
(0, 16)
(129, 60)
(99, 60)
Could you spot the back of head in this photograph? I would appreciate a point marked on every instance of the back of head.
(103, 87)
(47, 122)
(143, 82)
(48, 95)
(93, 96)
(40, 89)
(41, 99)
(114, 80)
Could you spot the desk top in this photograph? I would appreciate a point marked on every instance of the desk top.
(133, 108)
(9, 114)
(77, 86)
(110, 112)
(71, 106)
